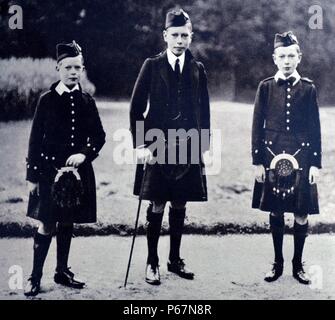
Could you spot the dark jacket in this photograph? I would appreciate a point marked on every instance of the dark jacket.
(153, 85)
(286, 120)
(63, 125)
(270, 118)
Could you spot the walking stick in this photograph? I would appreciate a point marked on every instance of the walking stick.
(136, 222)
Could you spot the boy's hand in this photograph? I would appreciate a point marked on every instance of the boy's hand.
(260, 173)
(33, 187)
(143, 155)
(313, 175)
(75, 160)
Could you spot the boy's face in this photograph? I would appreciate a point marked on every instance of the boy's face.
(178, 39)
(287, 59)
(70, 70)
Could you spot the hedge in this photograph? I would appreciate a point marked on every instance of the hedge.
(21, 83)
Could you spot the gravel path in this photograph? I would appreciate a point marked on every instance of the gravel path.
(226, 267)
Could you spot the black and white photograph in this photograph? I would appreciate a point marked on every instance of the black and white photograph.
(167, 151)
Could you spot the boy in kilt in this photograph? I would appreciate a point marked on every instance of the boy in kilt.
(286, 150)
(175, 84)
(66, 136)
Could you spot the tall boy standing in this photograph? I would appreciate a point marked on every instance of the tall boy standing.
(286, 150)
(176, 86)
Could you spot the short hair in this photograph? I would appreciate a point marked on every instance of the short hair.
(188, 25)
(295, 45)
(80, 55)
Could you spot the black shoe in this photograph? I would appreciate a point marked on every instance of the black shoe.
(178, 267)
(275, 272)
(66, 278)
(33, 287)
(299, 274)
(152, 275)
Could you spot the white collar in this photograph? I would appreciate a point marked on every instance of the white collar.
(61, 88)
(295, 74)
(172, 59)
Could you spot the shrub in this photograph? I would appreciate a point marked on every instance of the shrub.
(21, 83)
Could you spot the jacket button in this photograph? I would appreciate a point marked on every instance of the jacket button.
(288, 104)
(72, 144)
(35, 168)
(72, 104)
(288, 89)
(303, 144)
(72, 128)
(288, 120)
(72, 112)
(288, 128)
(71, 97)
(288, 97)
(315, 153)
(53, 158)
(287, 112)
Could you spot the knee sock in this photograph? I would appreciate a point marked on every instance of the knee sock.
(176, 221)
(154, 220)
(277, 226)
(64, 237)
(300, 234)
(41, 248)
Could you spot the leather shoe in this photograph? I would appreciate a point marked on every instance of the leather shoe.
(300, 274)
(152, 275)
(66, 278)
(178, 267)
(33, 287)
(275, 272)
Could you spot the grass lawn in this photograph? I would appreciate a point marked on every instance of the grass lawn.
(230, 191)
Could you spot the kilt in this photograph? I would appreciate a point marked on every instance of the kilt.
(305, 198)
(42, 207)
(192, 186)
